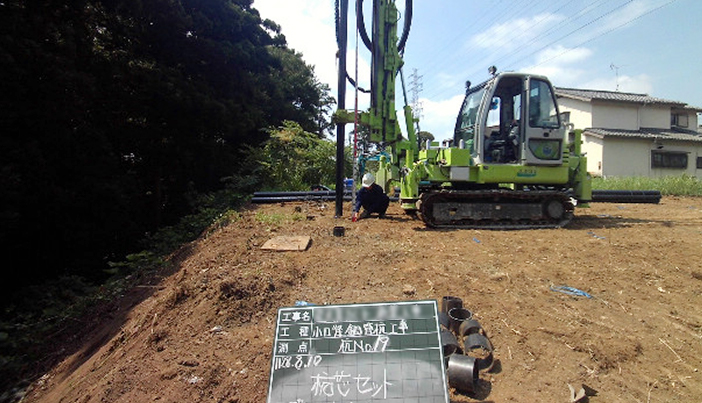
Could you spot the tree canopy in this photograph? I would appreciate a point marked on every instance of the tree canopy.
(117, 113)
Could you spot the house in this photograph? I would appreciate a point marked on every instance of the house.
(628, 134)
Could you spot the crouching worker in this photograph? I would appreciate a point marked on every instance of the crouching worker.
(372, 198)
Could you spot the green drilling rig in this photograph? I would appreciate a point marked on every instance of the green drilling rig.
(511, 163)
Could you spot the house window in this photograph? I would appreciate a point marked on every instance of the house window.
(699, 162)
(667, 159)
(679, 119)
(565, 117)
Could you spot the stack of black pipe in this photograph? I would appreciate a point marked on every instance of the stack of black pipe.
(626, 196)
(312, 195)
(598, 196)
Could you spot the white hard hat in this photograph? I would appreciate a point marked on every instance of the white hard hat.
(368, 179)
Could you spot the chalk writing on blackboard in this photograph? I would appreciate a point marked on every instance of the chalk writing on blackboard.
(358, 353)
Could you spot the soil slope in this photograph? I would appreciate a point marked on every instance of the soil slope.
(204, 330)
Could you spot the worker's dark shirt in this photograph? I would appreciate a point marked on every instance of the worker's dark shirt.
(372, 198)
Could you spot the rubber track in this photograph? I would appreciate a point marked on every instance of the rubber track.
(428, 200)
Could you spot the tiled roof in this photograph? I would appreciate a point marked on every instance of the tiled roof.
(653, 134)
(690, 108)
(590, 95)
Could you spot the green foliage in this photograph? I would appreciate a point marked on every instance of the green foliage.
(48, 308)
(118, 114)
(277, 219)
(423, 136)
(684, 185)
(42, 311)
(123, 127)
(293, 159)
(303, 98)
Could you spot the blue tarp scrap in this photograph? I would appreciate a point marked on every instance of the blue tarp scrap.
(570, 291)
(595, 235)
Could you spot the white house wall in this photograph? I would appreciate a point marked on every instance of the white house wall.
(632, 157)
(616, 116)
(655, 116)
(580, 112)
(592, 147)
(626, 157)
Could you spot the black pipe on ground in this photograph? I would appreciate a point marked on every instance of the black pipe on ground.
(297, 193)
(282, 197)
(598, 196)
(626, 196)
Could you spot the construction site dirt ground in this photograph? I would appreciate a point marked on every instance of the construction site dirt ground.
(203, 330)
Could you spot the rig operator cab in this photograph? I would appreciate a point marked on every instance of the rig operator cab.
(511, 119)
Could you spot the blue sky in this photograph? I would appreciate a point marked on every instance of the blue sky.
(642, 46)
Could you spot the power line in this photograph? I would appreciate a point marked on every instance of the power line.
(546, 33)
(606, 32)
(583, 11)
(575, 30)
(505, 43)
(486, 19)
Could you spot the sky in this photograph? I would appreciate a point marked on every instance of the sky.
(640, 46)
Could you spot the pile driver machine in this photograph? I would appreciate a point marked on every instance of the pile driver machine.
(511, 164)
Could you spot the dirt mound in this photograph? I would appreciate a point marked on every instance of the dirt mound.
(205, 332)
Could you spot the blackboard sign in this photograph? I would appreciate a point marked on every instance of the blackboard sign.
(384, 352)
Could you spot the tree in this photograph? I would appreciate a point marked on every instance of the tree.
(118, 113)
(302, 97)
(294, 159)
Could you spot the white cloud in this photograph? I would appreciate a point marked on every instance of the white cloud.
(637, 84)
(440, 116)
(561, 55)
(562, 65)
(628, 13)
(515, 33)
(309, 28)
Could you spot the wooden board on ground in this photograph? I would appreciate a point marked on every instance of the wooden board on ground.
(287, 243)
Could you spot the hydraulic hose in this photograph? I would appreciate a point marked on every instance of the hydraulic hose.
(364, 33)
(361, 24)
(406, 28)
(336, 21)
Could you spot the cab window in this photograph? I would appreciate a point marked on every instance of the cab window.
(542, 105)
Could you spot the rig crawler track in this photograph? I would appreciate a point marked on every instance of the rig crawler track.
(497, 209)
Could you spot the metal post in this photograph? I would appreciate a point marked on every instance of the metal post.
(341, 103)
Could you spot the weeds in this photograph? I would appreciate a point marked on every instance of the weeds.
(277, 219)
(683, 185)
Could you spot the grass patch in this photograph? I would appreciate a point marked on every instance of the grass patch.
(683, 185)
(277, 218)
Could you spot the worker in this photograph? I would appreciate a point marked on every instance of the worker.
(371, 197)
